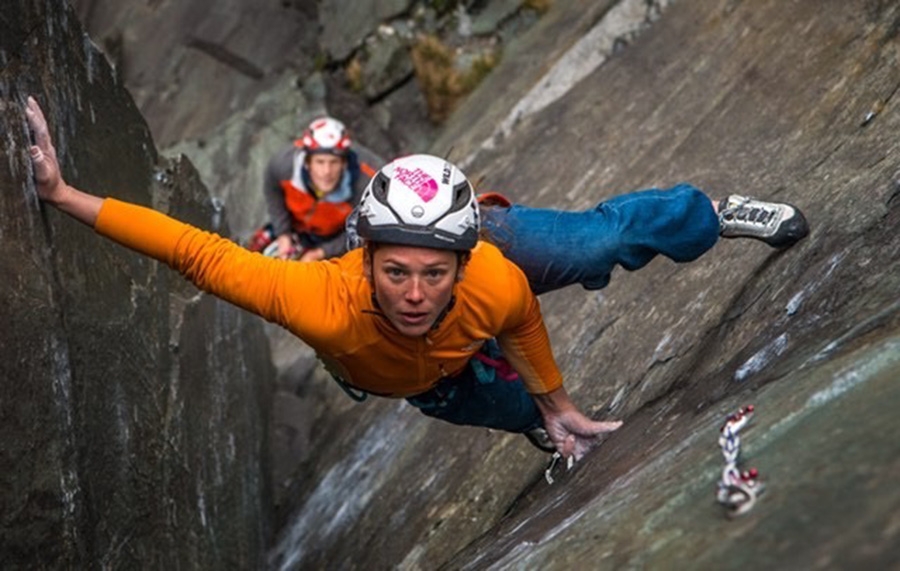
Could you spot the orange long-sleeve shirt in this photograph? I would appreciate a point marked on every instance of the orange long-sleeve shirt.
(328, 305)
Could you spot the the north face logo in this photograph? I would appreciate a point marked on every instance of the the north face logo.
(417, 181)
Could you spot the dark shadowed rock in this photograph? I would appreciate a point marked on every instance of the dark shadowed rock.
(133, 408)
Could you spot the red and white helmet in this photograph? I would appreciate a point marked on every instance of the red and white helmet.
(326, 135)
(420, 200)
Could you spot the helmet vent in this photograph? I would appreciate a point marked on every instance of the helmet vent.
(380, 186)
(462, 194)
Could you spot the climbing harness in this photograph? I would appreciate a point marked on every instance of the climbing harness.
(357, 395)
(737, 490)
(354, 393)
(489, 363)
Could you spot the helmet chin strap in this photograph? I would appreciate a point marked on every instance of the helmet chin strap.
(443, 314)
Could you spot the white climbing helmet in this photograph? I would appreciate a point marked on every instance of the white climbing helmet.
(419, 200)
(326, 135)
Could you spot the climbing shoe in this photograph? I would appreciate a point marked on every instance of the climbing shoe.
(540, 439)
(778, 224)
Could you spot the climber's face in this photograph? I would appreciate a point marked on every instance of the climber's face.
(325, 171)
(413, 285)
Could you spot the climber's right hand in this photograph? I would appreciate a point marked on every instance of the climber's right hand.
(50, 186)
(47, 177)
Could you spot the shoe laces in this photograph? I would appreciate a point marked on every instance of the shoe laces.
(745, 211)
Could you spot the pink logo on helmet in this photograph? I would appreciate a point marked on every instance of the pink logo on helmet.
(417, 181)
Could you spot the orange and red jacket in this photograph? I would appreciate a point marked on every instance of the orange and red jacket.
(312, 216)
(328, 304)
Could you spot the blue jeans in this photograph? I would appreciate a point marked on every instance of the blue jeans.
(556, 248)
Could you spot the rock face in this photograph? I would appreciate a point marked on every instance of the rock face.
(192, 68)
(792, 101)
(177, 51)
(133, 409)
